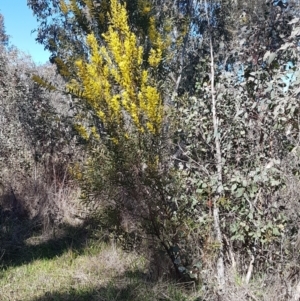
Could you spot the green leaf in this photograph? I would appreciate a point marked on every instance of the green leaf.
(240, 192)
(193, 276)
(233, 187)
(198, 265)
(250, 215)
(194, 201)
(275, 182)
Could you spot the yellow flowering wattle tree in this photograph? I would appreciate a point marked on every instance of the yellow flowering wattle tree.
(118, 86)
(115, 81)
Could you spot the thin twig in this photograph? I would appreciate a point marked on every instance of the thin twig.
(252, 296)
(190, 158)
(250, 269)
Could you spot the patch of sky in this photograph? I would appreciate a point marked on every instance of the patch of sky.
(289, 76)
(241, 74)
(280, 2)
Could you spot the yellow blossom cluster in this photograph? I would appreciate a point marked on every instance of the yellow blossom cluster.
(155, 56)
(113, 80)
(75, 171)
(144, 6)
(81, 131)
(94, 133)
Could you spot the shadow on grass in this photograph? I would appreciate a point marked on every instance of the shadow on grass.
(23, 241)
(120, 288)
(108, 293)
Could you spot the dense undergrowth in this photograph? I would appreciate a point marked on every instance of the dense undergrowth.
(82, 262)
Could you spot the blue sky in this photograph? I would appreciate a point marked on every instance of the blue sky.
(19, 22)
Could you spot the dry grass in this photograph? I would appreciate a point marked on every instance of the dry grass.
(98, 272)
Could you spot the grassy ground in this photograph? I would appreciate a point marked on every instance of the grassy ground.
(73, 265)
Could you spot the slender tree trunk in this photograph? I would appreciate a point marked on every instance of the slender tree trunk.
(217, 228)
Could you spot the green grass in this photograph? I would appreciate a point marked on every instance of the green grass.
(75, 267)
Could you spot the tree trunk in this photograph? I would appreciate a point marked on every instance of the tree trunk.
(217, 228)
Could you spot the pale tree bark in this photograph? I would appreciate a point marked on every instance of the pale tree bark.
(216, 215)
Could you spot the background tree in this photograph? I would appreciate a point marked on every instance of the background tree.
(248, 156)
(36, 139)
(3, 36)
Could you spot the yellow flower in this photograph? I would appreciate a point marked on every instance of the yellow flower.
(112, 80)
(82, 131)
(95, 134)
(144, 7)
(154, 57)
